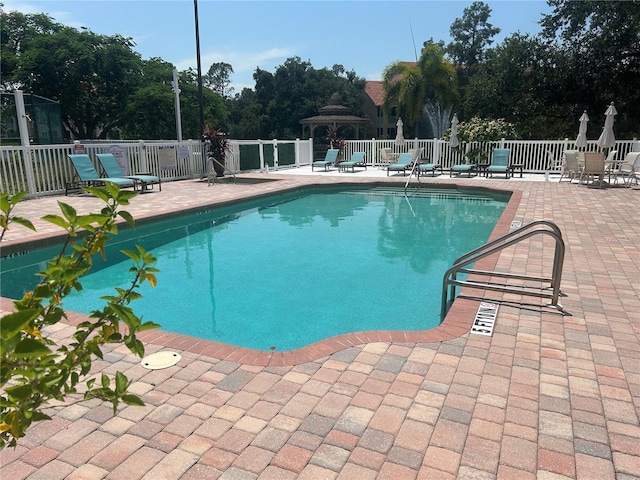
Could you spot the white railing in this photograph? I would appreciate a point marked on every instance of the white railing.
(46, 169)
(535, 156)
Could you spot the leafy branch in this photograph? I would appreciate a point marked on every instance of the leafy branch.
(34, 370)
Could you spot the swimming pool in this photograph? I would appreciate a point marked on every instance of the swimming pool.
(292, 269)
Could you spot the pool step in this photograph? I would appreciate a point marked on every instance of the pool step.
(439, 193)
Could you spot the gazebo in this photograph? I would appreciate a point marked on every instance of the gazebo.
(334, 115)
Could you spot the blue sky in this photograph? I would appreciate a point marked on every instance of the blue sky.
(362, 35)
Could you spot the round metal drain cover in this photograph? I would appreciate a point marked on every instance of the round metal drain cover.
(160, 360)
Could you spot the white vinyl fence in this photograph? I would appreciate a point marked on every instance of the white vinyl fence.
(46, 169)
(535, 156)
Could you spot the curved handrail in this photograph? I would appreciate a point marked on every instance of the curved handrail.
(508, 235)
(507, 240)
(215, 160)
(406, 184)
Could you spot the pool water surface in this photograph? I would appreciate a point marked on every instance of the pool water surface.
(297, 268)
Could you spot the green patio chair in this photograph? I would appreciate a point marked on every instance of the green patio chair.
(425, 168)
(112, 168)
(462, 168)
(404, 163)
(87, 176)
(499, 162)
(329, 159)
(357, 160)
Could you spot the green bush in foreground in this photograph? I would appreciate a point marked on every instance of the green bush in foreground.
(34, 370)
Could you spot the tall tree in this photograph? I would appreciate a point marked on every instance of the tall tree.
(429, 85)
(603, 40)
(218, 79)
(16, 30)
(528, 83)
(297, 90)
(90, 75)
(442, 93)
(151, 111)
(471, 34)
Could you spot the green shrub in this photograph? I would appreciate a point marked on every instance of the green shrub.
(35, 370)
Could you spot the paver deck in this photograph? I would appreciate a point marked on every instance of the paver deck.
(547, 396)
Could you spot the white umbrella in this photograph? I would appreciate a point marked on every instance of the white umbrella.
(453, 140)
(581, 141)
(607, 138)
(399, 134)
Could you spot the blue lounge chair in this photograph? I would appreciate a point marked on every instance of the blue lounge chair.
(499, 162)
(357, 160)
(87, 176)
(425, 168)
(329, 159)
(461, 168)
(112, 168)
(404, 163)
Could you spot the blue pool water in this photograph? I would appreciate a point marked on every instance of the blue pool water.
(291, 270)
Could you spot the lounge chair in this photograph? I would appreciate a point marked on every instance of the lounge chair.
(329, 159)
(357, 160)
(87, 176)
(499, 162)
(112, 168)
(424, 168)
(462, 168)
(404, 163)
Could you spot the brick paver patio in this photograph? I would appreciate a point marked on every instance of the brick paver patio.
(546, 397)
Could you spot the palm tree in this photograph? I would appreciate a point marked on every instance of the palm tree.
(428, 87)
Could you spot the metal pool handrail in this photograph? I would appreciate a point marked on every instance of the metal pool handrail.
(537, 227)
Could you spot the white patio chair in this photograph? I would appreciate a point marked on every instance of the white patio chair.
(570, 167)
(627, 169)
(593, 167)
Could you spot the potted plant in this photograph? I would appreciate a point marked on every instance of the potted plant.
(335, 141)
(217, 146)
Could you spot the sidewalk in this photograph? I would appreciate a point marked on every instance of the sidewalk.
(546, 397)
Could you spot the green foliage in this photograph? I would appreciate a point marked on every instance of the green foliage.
(471, 34)
(429, 84)
(7, 204)
(90, 75)
(587, 56)
(218, 79)
(482, 130)
(601, 42)
(297, 90)
(34, 369)
(16, 30)
(477, 133)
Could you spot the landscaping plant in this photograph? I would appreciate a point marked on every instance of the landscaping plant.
(34, 369)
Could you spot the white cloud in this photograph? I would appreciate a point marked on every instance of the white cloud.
(243, 63)
(59, 16)
(240, 61)
(373, 76)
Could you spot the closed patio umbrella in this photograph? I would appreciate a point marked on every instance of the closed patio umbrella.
(581, 141)
(453, 140)
(399, 132)
(607, 138)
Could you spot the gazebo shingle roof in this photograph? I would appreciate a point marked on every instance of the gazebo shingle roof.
(334, 115)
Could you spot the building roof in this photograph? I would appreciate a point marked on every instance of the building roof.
(375, 90)
(334, 115)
